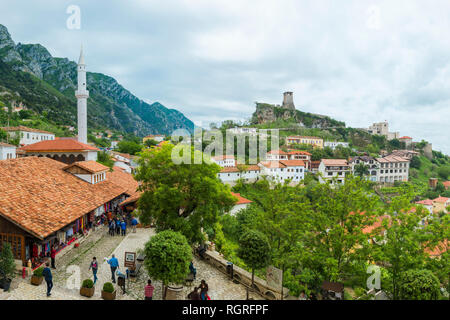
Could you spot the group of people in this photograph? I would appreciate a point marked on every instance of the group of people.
(200, 292)
(118, 225)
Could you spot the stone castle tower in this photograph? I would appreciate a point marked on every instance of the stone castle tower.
(82, 94)
(288, 100)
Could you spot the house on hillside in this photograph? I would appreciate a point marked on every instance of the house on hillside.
(240, 204)
(282, 170)
(333, 168)
(28, 135)
(7, 151)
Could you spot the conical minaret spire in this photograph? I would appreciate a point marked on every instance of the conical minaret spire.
(82, 94)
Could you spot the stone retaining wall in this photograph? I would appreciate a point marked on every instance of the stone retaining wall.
(245, 277)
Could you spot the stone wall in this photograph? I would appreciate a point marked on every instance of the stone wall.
(245, 277)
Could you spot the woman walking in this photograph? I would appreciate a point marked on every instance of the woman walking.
(203, 290)
(94, 267)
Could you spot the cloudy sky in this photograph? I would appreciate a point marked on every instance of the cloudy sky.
(356, 61)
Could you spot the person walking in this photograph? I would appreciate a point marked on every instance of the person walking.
(53, 256)
(114, 263)
(117, 226)
(149, 290)
(94, 267)
(123, 226)
(193, 269)
(203, 290)
(194, 295)
(112, 227)
(134, 223)
(47, 273)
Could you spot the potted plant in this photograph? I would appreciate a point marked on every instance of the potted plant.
(37, 277)
(87, 288)
(7, 267)
(108, 292)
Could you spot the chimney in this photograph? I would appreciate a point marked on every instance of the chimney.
(288, 100)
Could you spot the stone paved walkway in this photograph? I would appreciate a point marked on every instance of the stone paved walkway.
(102, 245)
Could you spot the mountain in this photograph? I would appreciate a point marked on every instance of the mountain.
(30, 75)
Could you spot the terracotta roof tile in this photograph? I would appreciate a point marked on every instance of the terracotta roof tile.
(91, 166)
(335, 162)
(441, 199)
(229, 169)
(241, 199)
(123, 179)
(2, 144)
(58, 145)
(23, 128)
(293, 163)
(40, 197)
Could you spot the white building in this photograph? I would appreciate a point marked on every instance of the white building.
(7, 151)
(249, 131)
(382, 129)
(333, 168)
(334, 144)
(66, 150)
(114, 144)
(283, 170)
(230, 175)
(240, 204)
(28, 135)
(225, 160)
(124, 161)
(427, 204)
(373, 166)
(393, 168)
(277, 155)
(82, 95)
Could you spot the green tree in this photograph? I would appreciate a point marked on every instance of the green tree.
(415, 162)
(130, 147)
(183, 197)
(419, 285)
(7, 264)
(104, 158)
(167, 258)
(361, 170)
(254, 250)
(150, 142)
(444, 172)
(401, 241)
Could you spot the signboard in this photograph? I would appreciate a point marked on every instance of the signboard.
(274, 277)
(130, 259)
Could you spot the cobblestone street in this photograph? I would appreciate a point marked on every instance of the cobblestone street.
(101, 245)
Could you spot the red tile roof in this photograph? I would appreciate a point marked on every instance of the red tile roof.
(91, 166)
(23, 128)
(446, 184)
(335, 162)
(306, 153)
(441, 199)
(293, 163)
(40, 197)
(59, 145)
(405, 137)
(280, 152)
(426, 202)
(2, 144)
(123, 179)
(229, 169)
(223, 157)
(241, 199)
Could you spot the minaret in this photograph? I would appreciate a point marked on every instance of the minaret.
(82, 94)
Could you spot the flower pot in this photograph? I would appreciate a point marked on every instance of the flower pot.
(35, 280)
(5, 283)
(108, 295)
(87, 292)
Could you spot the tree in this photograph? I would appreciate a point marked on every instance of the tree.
(167, 258)
(402, 241)
(444, 172)
(183, 197)
(361, 170)
(130, 147)
(7, 264)
(419, 285)
(415, 162)
(104, 158)
(254, 250)
(150, 142)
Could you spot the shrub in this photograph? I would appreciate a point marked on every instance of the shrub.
(87, 283)
(38, 272)
(108, 287)
(7, 264)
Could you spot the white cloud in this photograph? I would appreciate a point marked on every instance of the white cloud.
(358, 61)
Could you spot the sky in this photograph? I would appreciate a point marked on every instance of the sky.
(356, 61)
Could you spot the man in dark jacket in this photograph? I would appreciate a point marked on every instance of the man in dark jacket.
(47, 273)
